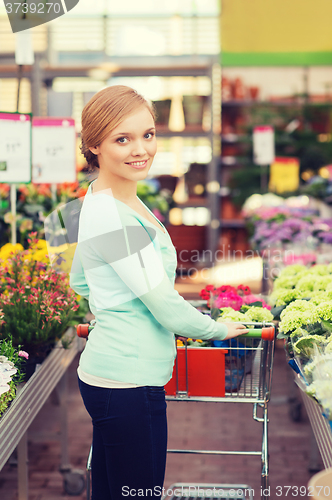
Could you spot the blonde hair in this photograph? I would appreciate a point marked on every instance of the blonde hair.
(104, 112)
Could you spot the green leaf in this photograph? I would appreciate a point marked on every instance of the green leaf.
(276, 311)
(258, 303)
(327, 326)
(282, 336)
(33, 209)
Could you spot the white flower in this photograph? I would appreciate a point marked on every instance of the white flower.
(6, 373)
(4, 387)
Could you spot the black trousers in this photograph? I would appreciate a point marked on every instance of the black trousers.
(129, 441)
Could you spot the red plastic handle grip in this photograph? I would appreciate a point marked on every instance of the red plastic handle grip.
(83, 331)
(268, 333)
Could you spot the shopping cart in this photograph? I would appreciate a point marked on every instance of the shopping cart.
(247, 379)
(248, 375)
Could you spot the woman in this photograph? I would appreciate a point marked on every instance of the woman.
(125, 264)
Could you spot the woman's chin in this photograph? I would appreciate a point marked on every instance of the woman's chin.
(141, 174)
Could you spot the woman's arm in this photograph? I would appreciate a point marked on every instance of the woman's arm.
(77, 280)
(138, 262)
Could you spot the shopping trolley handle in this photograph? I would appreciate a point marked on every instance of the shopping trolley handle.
(266, 333)
(84, 330)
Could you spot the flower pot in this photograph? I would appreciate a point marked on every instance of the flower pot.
(193, 108)
(37, 354)
(162, 111)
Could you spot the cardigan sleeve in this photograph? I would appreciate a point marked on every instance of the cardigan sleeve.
(77, 280)
(133, 252)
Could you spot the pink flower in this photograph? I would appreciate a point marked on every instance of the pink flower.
(228, 299)
(23, 354)
(249, 299)
(157, 213)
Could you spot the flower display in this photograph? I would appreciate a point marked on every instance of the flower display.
(229, 296)
(318, 373)
(36, 201)
(259, 314)
(228, 303)
(298, 282)
(36, 301)
(296, 228)
(11, 364)
(306, 324)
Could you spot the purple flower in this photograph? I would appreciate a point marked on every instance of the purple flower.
(326, 237)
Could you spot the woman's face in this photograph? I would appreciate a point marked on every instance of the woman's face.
(128, 151)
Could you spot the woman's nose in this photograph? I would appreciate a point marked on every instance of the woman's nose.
(138, 149)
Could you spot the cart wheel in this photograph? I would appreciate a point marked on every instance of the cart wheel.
(294, 411)
(74, 482)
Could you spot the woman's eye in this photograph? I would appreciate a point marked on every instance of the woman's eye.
(122, 140)
(150, 134)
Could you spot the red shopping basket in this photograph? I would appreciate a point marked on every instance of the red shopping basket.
(205, 375)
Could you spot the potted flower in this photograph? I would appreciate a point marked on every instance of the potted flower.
(37, 303)
(11, 371)
(306, 325)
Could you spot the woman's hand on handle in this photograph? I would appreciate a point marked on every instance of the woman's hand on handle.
(234, 330)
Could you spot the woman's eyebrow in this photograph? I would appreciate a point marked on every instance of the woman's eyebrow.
(129, 133)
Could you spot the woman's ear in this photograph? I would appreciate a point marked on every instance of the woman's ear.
(95, 150)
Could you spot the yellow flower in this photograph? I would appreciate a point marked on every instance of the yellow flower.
(40, 256)
(40, 245)
(6, 250)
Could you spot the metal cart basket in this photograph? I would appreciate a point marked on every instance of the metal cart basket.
(248, 376)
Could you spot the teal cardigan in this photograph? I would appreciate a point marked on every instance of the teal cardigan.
(125, 266)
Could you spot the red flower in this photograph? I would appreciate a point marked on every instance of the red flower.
(81, 192)
(245, 289)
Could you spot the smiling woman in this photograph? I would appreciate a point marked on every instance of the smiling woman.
(130, 147)
(125, 264)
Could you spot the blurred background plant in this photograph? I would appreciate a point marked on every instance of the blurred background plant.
(36, 201)
(158, 201)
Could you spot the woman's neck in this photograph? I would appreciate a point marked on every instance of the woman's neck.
(123, 191)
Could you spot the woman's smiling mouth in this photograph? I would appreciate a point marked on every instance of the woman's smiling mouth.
(138, 164)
